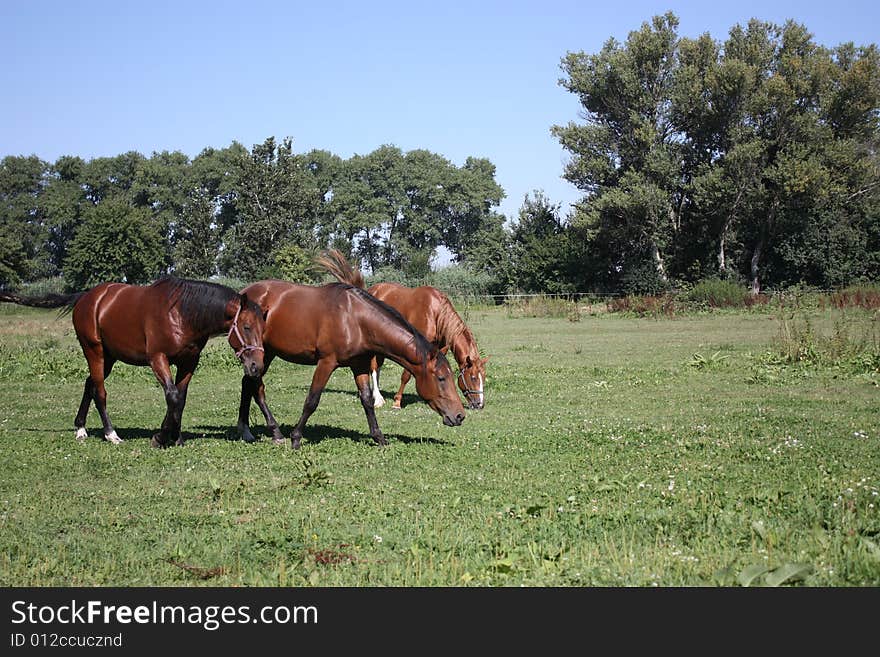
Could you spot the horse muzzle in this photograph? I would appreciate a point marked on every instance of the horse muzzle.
(450, 421)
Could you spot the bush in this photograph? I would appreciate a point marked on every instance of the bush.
(461, 282)
(648, 305)
(860, 296)
(717, 293)
(42, 287)
(644, 279)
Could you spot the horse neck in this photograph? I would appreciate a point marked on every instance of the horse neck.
(393, 340)
(463, 345)
(205, 309)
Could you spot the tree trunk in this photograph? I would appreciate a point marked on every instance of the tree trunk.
(658, 262)
(756, 259)
(722, 265)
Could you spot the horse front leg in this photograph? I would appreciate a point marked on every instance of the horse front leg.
(362, 380)
(181, 381)
(256, 389)
(162, 369)
(319, 382)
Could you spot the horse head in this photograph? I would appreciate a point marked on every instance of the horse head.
(436, 385)
(246, 335)
(471, 380)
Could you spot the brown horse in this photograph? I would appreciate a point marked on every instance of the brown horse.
(339, 325)
(433, 315)
(160, 325)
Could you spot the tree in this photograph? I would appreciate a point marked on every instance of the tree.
(274, 194)
(197, 237)
(63, 201)
(116, 242)
(22, 225)
(626, 157)
(540, 247)
(755, 158)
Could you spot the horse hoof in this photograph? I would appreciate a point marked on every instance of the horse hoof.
(81, 434)
(279, 441)
(155, 442)
(245, 433)
(113, 438)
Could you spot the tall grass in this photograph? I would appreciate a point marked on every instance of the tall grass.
(852, 339)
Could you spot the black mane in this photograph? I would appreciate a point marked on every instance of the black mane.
(202, 304)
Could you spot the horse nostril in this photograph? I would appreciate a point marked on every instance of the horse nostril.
(459, 418)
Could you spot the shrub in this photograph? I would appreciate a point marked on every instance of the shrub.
(647, 305)
(861, 296)
(717, 293)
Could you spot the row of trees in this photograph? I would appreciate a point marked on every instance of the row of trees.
(755, 159)
(236, 213)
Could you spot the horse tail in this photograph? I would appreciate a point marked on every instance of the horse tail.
(65, 301)
(335, 263)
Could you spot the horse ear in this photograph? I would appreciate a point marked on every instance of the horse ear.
(486, 358)
(469, 362)
(243, 299)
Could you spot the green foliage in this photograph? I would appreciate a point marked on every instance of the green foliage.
(22, 229)
(700, 157)
(292, 263)
(115, 243)
(642, 278)
(717, 293)
(461, 282)
(197, 238)
(851, 342)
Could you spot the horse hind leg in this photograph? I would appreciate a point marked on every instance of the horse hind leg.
(99, 368)
(398, 398)
(80, 420)
(362, 380)
(378, 399)
(319, 380)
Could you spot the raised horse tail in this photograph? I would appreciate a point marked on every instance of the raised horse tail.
(335, 263)
(67, 301)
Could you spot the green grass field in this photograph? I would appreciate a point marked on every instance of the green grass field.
(613, 451)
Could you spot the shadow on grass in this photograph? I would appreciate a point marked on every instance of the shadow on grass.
(318, 433)
(314, 433)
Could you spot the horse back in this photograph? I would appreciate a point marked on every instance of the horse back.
(302, 321)
(419, 305)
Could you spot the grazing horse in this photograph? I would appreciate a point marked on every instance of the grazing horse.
(340, 325)
(433, 315)
(160, 325)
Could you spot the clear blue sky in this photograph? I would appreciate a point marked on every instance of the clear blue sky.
(90, 78)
